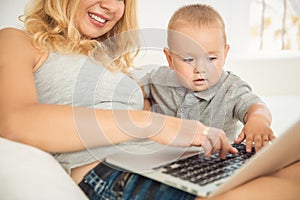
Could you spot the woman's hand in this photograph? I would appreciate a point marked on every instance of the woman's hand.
(216, 140)
(182, 132)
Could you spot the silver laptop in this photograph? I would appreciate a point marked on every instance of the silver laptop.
(187, 169)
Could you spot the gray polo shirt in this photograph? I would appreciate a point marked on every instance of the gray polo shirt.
(222, 106)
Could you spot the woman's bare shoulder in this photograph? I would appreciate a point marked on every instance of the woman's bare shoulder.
(16, 43)
(11, 30)
(14, 36)
(7, 34)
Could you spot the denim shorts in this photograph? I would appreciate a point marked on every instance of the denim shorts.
(110, 183)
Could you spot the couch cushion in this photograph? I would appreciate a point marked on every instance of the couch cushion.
(28, 173)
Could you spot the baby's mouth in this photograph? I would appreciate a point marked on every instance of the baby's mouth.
(199, 80)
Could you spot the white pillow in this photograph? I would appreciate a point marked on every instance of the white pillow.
(28, 173)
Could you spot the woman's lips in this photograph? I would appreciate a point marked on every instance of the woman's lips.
(97, 20)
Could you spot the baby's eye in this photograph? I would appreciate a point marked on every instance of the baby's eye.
(188, 60)
(211, 59)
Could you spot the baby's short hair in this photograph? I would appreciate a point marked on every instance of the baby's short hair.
(197, 15)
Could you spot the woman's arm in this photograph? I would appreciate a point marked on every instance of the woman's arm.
(22, 118)
(61, 128)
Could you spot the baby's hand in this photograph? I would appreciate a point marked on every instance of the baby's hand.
(255, 131)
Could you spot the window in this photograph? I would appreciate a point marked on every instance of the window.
(274, 25)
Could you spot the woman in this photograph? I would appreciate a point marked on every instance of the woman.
(41, 70)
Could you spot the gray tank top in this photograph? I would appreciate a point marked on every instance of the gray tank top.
(76, 80)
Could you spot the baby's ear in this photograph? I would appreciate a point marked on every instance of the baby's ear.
(227, 47)
(169, 58)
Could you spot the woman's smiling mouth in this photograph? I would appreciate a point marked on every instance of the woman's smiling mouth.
(97, 18)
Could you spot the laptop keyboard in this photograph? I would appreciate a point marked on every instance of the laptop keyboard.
(202, 170)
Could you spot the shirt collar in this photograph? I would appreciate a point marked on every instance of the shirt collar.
(171, 79)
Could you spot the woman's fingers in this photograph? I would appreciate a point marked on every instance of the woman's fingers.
(216, 141)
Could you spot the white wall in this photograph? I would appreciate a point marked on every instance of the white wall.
(156, 13)
(9, 12)
(269, 74)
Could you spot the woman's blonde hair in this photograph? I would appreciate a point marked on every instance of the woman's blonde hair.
(51, 25)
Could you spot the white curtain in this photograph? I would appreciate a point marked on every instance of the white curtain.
(296, 6)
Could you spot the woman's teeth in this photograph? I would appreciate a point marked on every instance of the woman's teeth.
(97, 18)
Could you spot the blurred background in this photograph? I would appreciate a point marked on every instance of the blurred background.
(251, 24)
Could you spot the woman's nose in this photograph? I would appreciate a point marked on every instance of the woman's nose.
(110, 5)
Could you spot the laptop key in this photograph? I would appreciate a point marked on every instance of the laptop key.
(202, 170)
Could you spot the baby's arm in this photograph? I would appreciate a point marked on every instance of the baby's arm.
(257, 127)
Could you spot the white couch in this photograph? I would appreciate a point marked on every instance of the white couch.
(28, 173)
